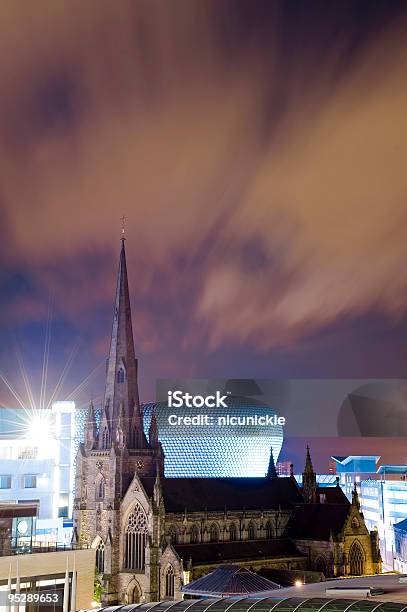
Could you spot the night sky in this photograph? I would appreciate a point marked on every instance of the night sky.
(258, 151)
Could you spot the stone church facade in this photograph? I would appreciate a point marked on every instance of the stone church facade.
(152, 533)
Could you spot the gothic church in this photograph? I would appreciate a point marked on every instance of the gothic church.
(153, 534)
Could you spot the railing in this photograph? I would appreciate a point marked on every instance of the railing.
(14, 546)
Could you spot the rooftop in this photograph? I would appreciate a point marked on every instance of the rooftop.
(307, 598)
(213, 552)
(187, 494)
(229, 580)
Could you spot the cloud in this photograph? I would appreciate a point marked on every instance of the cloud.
(265, 197)
(330, 195)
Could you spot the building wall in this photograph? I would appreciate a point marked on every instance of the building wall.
(400, 537)
(41, 444)
(43, 565)
(260, 520)
(384, 503)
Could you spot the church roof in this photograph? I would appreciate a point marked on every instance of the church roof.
(215, 552)
(316, 521)
(229, 580)
(198, 494)
(334, 495)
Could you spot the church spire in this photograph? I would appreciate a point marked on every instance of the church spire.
(121, 391)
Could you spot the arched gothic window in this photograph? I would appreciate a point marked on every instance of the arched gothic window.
(356, 560)
(269, 530)
(214, 533)
(120, 375)
(105, 437)
(100, 488)
(169, 581)
(100, 557)
(194, 536)
(135, 539)
(173, 534)
(251, 531)
(232, 532)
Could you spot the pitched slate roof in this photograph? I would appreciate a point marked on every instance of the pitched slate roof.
(229, 580)
(215, 552)
(198, 494)
(316, 521)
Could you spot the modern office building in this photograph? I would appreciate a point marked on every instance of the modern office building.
(384, 504)
(284, 468)
(353, 469)
(331, 466)
(37, 464)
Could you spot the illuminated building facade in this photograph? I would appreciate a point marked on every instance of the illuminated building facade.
(352, 469)
(213, 453)
(384, 505)
(37, 463)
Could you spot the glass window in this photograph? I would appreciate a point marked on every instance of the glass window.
(100, 557)
(5, 482)
(30, 481)
(169, 581)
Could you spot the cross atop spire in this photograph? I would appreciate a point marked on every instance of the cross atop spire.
(123, 227)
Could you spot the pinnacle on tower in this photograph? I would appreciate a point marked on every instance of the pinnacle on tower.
(271, 472)
(90, 428)
(153, 431)
(355, 497)
(309, 481)
(121, 428)
(308, 463)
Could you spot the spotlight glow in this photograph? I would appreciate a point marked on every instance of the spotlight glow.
(39, 427)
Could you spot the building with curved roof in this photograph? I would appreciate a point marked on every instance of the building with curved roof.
(229, 580)
(214, 452)
(266, 604)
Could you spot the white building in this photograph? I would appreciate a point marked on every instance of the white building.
(384, 504)
(37, 464)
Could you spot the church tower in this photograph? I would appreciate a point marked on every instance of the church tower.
(116, 452)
